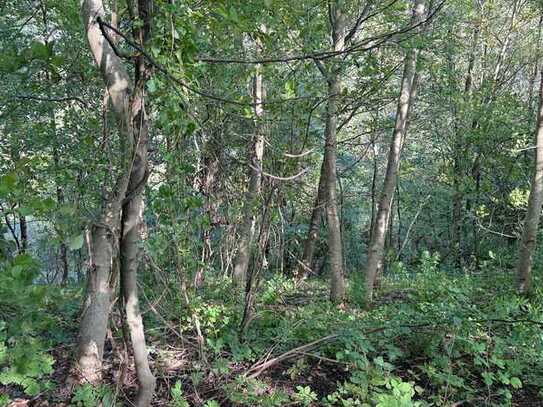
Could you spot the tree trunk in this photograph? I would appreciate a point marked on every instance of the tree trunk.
(459, 152)
(373, 185)
(533, 78)
(100, 289)
(376, 247)
(208, 187)
(256, 153)
(63, 251)
(132, 218)
(335, 250)
(259, 263)
(535, 201)
(64, 263)
(124, 203)
(23, 228)
(314, 226)
(105, 233)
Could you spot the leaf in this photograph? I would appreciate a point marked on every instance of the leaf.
(151, 85)
(76, 242)
(8, 183)
(516, 383)
(488, 378)
(39, 51)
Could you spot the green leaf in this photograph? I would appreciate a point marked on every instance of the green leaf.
(516, 383)
(151, 85)
(76, 242)
(8, 183)
(488, 378)
(39, 51)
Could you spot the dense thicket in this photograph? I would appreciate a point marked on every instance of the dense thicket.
(269, 202)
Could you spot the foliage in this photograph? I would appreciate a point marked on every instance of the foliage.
(87, 395)
(29, 328)
(447, 325)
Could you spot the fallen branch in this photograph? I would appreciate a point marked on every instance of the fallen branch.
(300, 350)
(257, 370)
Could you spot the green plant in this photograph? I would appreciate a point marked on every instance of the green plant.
(87, 395)
(304, 395)
(4, 400)
(178, 398)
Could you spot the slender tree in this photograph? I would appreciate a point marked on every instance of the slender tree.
(306, 264)
(533, 213)
(256, 153)
(333, 79)
(405, 100)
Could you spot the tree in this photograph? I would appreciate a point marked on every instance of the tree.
(335, 249)
(533, 213)
(405, 102)
(114, 241)
(255, 156)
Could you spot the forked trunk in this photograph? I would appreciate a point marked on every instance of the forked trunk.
(115, 237)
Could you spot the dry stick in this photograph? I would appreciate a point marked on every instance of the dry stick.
(279, 178)
(53, 99)
(322, 358)
(260, 368)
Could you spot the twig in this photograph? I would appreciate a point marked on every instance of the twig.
(290, 178)
(53, 99)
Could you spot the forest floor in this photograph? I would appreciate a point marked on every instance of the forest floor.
(432, 339)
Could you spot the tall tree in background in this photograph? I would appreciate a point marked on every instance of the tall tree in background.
(306, 263)
(533, 213)
(405, 101)
(255, 155)
(114, 237)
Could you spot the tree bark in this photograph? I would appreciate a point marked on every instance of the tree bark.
(376, 247)
(132, 218)
(305, 266)
(256, 154)
(23, 229)
(63, 251)
(335, 250)
(533, 213)
(115, 236)
(105, 233)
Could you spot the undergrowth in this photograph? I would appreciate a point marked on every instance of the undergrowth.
(434, 338)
